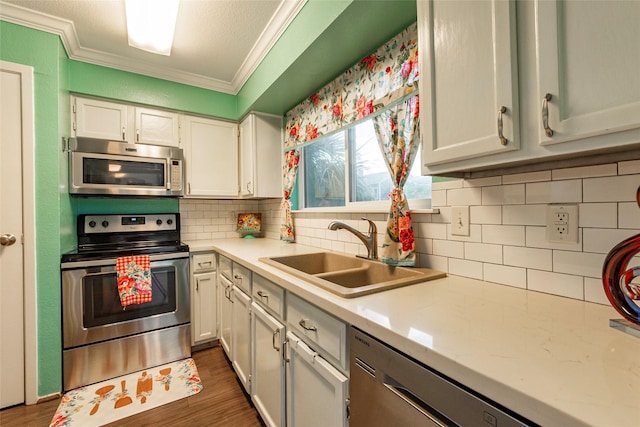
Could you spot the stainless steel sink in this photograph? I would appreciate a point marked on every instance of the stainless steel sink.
(348, 276)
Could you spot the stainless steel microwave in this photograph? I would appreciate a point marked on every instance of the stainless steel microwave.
(102, 167)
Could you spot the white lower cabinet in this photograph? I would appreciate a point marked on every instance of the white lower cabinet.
(268, 367)
(204, 313)
(241, 336)
(316, 391)
(224, 296)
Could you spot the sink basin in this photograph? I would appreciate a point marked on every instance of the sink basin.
(348, 276)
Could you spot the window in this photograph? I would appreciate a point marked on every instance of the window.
(347, 169)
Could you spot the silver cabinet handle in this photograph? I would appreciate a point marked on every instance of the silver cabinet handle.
(124, 137)
(249, 187)
(274, 342)
(200, 264)
(137, 135)
(501, 111)
(545, 115)
(7, 239)
(263, 294)
(303, 323)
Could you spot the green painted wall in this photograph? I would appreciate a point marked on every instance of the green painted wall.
(41, 51)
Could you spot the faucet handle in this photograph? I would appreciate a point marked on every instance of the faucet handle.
(372, 225)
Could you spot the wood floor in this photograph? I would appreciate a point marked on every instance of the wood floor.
(222, 402)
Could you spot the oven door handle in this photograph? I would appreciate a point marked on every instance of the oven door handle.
(112, 261)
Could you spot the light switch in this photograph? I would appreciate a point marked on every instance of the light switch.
(460, 220)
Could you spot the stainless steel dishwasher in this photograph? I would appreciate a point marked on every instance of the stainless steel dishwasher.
(388, 388)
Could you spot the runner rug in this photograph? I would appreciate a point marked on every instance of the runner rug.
(111, 400)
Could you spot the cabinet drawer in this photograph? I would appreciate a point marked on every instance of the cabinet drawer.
(320, 330)
(269, 295)
(242, 277)
(204, 262)
(224, 265)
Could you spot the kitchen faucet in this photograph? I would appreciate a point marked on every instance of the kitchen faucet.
(370, 240)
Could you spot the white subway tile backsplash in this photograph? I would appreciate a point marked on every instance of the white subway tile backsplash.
(564, 285)
(504, 234)
(518, 256)
(610, 169)
(461, 267)
(524, 214)
(485, 214)
(519, 178)
(629, 215)
(464, 196)
(578, 263)
(611, 189)
(503, 195)
(594, 291)
(598, 215)
(483, 252)
(448, 248)
(569, 191)
(602, 240)
(629, 167)
(505, 275)
(507, 242)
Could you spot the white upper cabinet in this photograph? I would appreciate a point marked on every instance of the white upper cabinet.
(157, 127)
(211, 157)
(99, 119)
(468, 79)
(261, 155)
(94, 118)
(589, 63)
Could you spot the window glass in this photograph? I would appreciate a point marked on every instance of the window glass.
(325, 162)
(324, 167)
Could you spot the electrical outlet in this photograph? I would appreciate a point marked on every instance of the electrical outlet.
(562, 223)
(460, 220)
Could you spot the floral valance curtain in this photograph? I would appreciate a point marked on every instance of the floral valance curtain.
(349, 98)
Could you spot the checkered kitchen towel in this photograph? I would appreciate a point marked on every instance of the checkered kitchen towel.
(134, 279)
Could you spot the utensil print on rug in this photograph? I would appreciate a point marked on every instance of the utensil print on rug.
(102, 393)
(145, 386)
(123, 398)
(165, 378)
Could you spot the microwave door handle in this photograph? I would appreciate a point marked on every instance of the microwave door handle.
(167, 173)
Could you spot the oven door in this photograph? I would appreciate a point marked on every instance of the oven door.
(91, 309)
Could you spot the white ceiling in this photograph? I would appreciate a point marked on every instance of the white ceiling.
(217, 43)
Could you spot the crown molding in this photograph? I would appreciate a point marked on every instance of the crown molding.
(65, 29)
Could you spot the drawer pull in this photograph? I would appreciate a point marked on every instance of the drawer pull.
(545, 115)
(501, 111)
(274, 342)
(263, 294)
(200, 264)
(303, 323)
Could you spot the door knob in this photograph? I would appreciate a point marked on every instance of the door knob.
(7, 239)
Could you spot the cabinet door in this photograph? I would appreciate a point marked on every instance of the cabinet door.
(267, 373)
(204, 307)
(157, 127)
(588, 61)
(261, 156)
(224, 296)
(211, 150)
(468, 66)
(100, 119)
(241, 337)
(247, 156)
(316, 391)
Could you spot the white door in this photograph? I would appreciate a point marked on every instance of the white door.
(468, 82)
(241, 337)
(316, 391)
(157, 127)
(247, 153)
(588, 63)
(100, 119)
(12, 368)
(267, 378)
(203, 303)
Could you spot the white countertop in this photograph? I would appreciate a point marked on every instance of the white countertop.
(554, 360)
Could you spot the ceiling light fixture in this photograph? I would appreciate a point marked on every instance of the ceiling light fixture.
(151, 24)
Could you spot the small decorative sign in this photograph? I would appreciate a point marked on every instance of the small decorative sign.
(249, 224)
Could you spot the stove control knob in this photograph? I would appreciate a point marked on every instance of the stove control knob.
(92, 224)
(169, 221)
(105, 224)
(159, 222)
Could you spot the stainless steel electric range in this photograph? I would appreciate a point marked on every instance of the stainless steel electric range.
(101, 338)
